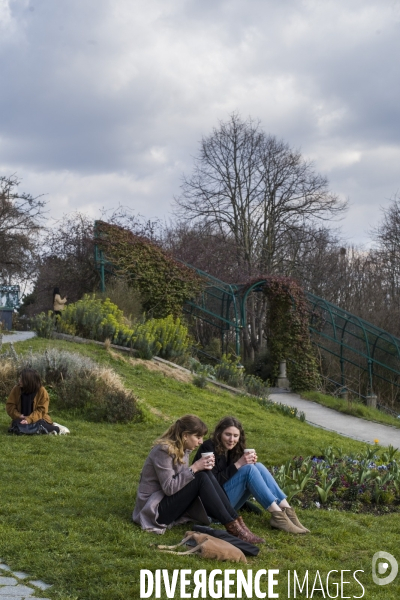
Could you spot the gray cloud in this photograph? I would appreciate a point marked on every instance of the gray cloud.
(105, 101)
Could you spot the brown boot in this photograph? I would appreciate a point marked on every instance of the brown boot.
(294, 518)
(260, 540)
(280, 520)
(235, 528)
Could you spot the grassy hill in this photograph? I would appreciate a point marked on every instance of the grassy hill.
(66, 501)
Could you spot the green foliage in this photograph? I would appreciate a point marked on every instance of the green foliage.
(74, 382)
(125, 297)
(200, 380)
(93, 318)
(255, 386)
(78, 535)
(171, 334)
(288, 333)
(229, 371)
(164, 283)
(44, 324)
(362, 482)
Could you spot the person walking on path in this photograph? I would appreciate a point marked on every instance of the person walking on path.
(58, 302)
(238, 472)
(168, 486)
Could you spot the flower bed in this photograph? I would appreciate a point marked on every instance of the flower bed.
(366, 482)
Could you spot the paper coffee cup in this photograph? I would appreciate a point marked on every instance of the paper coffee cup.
(249, 450)
(205, 454)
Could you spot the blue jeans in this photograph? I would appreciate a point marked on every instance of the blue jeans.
(253, 480)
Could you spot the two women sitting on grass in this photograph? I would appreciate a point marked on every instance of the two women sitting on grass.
(28, 403)
(168, 485)
(222, 475)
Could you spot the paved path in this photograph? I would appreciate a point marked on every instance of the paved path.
(19, 336)
(16, 585)
(332, 420)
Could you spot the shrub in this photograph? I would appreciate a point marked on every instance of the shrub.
(125, 297)
(55, 365)
(119, 406)
(8, 376)
(94, 319)
(256, 386)
(200, 380)
(44, 324)
(228, 370)
(74, 382)
(100, 396)
(172, 335)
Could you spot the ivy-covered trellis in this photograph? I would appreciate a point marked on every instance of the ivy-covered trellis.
(287, 328)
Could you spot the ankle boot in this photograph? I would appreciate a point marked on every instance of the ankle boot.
(260, 540)
(294, 518)
(280, 520)
(235, 528)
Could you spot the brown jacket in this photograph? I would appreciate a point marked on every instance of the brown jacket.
(59, 302)
(40, 406)
(160, 477)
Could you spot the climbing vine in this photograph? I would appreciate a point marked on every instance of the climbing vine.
(287, 331)
(164, 283)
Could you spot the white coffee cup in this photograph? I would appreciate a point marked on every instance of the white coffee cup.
(249, 451)
(208, 455)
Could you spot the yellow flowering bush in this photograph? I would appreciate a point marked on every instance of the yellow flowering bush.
(95, 319)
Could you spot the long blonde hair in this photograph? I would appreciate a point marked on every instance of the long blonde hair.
(173, 437)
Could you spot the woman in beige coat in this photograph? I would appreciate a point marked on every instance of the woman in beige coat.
(58, 302)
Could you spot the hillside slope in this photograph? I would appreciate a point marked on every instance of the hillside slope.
(66, 502)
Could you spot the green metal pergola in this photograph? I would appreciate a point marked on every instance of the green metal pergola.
(354, 341)
(348, 338)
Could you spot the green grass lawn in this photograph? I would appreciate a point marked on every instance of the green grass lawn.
(356, 409)
(66, 501)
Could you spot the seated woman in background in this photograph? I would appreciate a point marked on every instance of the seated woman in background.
(242, 476)
(28, 402)
(168, 486)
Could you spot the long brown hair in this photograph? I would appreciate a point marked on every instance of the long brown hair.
(30, 380)
(173, 437)
(238, 450)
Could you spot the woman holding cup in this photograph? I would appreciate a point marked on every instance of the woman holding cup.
(168, 486)
(238, 472)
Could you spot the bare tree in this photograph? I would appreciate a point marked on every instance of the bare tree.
(20, 225)
(66, 261)
(251, 187)
(387, 236)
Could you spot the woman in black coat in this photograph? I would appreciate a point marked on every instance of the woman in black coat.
(241, 476)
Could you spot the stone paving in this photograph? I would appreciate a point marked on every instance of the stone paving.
(332, 420)
(18, 336)
(17, 585)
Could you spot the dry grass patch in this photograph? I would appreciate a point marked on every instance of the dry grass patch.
(166, 370)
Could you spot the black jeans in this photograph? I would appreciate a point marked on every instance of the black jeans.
(213, 497)
(48, 426)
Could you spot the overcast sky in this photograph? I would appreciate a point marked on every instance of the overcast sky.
(104, 102)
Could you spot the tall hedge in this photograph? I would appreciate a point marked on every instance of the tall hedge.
(164, 283)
